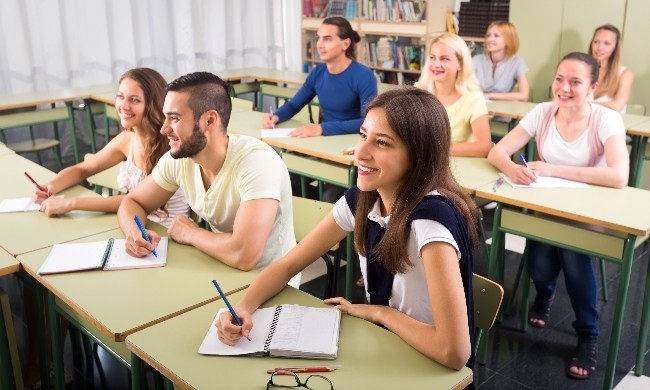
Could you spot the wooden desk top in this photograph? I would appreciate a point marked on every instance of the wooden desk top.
(4, 150)
(8, 263)
(509, 109)
(641, 128)
(473, 172)
(365, 352)
(28, 231)
(263, 74)
(31, 99)
(624, 210)
(328, 148)
(124, 301)
(250, 123)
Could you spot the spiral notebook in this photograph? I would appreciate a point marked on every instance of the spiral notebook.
(290, 331)
(106, 255)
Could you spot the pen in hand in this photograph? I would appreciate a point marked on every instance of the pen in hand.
(144, 232)
(232, 311)
(271, 113)
(40, 187)
(523, 161)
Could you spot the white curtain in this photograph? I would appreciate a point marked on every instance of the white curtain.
(54, 44)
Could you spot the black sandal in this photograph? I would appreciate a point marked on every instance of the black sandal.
(585, 357)
(540, 311)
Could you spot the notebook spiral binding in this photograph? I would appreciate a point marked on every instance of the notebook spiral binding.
(107, 252)
(276, 317)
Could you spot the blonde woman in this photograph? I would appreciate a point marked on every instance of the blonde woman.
(614, 79)
(449, 74)
(499, 68)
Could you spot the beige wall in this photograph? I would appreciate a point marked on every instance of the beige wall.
(551, 28)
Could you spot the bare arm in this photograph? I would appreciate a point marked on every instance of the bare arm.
(447, 341)
(145, 198)
(521, 94)
(500, 156)
(481, 144)
(244, 246)
(274, 277)
(623, 93)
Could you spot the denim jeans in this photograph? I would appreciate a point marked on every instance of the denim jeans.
(544, 265)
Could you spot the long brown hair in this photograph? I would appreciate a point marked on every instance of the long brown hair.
(608, 86)
(421, 122)
(154, 88)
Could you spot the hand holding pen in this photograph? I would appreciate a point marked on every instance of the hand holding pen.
(144, 233)
(269, 120)
(44, 192)
(529, 173)
(235, 317)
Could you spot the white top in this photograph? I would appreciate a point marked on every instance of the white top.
(575, 153)
(251, 170)
(130, 175)
(409, 293)
(607, 98)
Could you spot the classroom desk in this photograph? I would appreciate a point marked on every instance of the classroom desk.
(250, 123)
(28, 231)
(109, 305)
(473, 172)
(285, 77)
(599, 221)
(4, 150)
(639, 132)
(10, 374)
(509, 109)
(365, 352)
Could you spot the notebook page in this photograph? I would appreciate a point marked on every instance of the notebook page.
(20, 204)
(119, 259)
(276, 133)
(546, 182)
(309, 331)
(74, 257)
(262, 319)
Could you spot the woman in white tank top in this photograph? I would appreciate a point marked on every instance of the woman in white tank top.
(139, 101)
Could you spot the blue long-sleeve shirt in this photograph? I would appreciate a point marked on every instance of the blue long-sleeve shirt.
(342, 97)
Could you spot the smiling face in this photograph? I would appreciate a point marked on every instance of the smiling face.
(572, 84)
(382, 156)
(443, 63)
(130, 103)
(330, 46)
(186, 138)
(494, 40)
(603, 45)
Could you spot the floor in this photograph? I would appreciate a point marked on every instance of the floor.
(535, 359)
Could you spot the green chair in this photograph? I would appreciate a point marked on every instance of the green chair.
(13, 119)
(110, 123)
(283, 94)
(488, 296)
(307, 213)
(243, 103)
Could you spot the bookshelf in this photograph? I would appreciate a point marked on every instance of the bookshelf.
(394, 33)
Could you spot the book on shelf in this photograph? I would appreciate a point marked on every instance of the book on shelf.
(283, 331)
(105, 255)
(307, 9)
(317, 8)
(336, 8)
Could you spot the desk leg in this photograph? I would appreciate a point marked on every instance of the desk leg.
(91, 124)
(621, 300)
(7, 380)
(138, 380)
(73, 132)
(57, 347)
(637, 156)
(645, 322)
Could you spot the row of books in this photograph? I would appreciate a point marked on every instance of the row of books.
(394, 10)
(326, 8)
(389, 54)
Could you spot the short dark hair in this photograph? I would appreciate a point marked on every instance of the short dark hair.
(207, 92)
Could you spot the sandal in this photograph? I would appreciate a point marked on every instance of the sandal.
(540, 311)
(585, 357)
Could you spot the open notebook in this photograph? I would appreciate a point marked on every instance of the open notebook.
(284, 331)
(106, 255)
(276, 133)
(546, 182)
(15, 205)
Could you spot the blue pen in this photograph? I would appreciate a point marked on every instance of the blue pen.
(144, 232)
(232, 311)
(523, 161)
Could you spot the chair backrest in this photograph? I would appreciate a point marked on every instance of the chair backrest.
(635, 108)
(487, 301)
